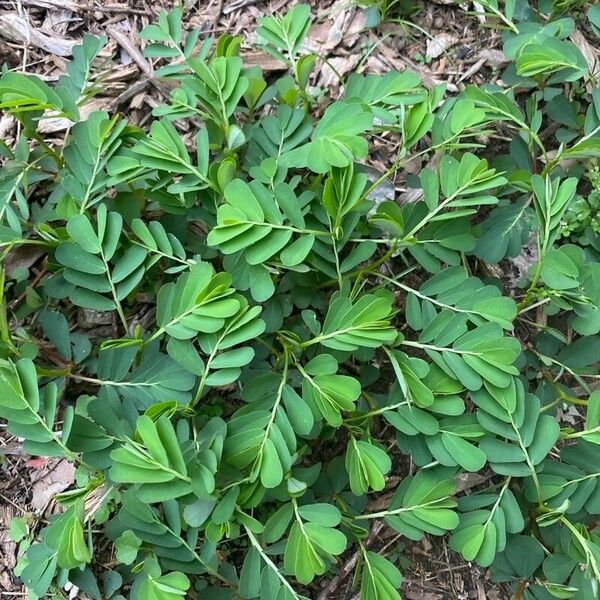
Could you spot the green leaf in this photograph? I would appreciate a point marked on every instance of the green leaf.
(422, 504)
(560, 60)
(364, 323)
(380, 578)
(172, 586)
(127, 546)
(27, 96)
(335, 141)
(329, 394)
(271, 471)
(310, 547)
(18, 529)
(504, 232)
(199, 301)
(366, 465)
(594, 18)
(158, 377)
(251, 219)
(286, 32)
(325, 514)
(66, 536)
(31, 415)
(559, 272)
(387, 94)
(154, 461)
(551, 200)
(468, 456)
(497, 106)
(477, 356)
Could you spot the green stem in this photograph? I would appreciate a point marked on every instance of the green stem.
(379, 411)
(584, 546)
(578, 434)
(398, 511)
(364, 271)
(256, 544)
(278, 399)
(51, 151)
(206, 371)
(208, 568)
(113, 292)
(530, 465)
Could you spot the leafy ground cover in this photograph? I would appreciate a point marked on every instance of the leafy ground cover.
(309, 362)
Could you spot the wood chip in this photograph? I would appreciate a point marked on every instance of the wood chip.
(8, 548)
(57, 21)
(437, 45)
(51, 4)
(474, 68)
(16, 29)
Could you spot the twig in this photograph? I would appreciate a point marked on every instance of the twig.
(15, 303)
(218, 14)
(127, 44)
(129, 93)
(233, 6)
(110, 9)
(140, 60)
(348, 567)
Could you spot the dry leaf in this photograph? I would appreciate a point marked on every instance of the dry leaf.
(466, 481)
(21, 257)
(384, 191)
(325, 36)
(335, 67)
(7, 124)
(56, 480)
(590, 53)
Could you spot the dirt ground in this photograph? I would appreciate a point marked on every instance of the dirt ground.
(441, 42)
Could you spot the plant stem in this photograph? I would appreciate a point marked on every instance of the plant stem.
(256, 544)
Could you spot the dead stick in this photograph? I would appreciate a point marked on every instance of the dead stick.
(350, 564)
